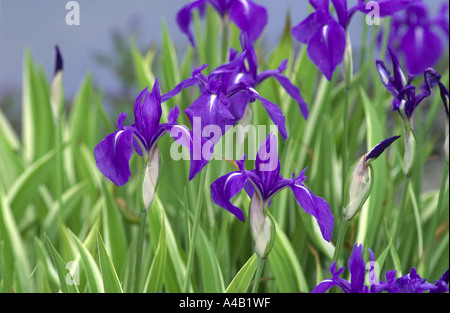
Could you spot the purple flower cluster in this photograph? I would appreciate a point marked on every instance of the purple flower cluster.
(226, 92)
(405, 98)
(409, 283)
(418, 36)
(326, 35)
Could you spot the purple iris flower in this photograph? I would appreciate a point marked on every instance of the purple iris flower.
(400, 86)
(265, 182)
(326, 36)
(220, 103)
(247, 15)
(409, 283)
(416, 34)
(248, 73)
(114, 152)
(357, 268)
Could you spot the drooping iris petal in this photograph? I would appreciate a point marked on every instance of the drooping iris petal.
(189, 82)
(304, 31)
(326, 48)
(200, 150)
(430, 79)
(314, 206)
(249, 17)
(225, 188)
(292, 90)
(274, 111)
(184, 18)
(113, 154)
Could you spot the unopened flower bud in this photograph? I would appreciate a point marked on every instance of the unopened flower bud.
(150, 178)
(263, 227)
(358, 188)
(56, 95)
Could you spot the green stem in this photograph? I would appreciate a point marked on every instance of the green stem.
(259, 270)
(344, 143)
(401, 211)
(140, 248)
(59, 165)
(436, 216)
(198, 209)
(340, 241)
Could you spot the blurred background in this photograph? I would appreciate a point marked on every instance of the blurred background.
(100, 45)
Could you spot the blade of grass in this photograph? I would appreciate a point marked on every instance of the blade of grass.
(67, 286)
(243, 278)
(92, 272)
(111, 283)
(155, 278)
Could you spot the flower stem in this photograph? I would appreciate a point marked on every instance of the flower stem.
(259, 270)
(340, 240)
(402, 208)
(59, 164)
(344, 143)
(198, 209)
(140, 248)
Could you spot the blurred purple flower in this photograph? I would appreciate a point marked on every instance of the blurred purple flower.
(247, 15)
(404, 92)
(326, 37)
(409, 283)
(416, 34)
(357, 268)
(265, 180)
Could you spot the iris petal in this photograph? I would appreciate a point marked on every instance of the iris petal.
(113, 154)
(225, 188)
(326, 48)
(249, 17)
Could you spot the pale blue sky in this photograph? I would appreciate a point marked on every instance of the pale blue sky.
(40, 24)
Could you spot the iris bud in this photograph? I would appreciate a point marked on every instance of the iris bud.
(358, 187)
(263, 227)
(150, 178)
